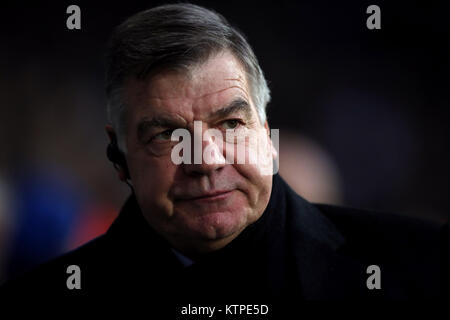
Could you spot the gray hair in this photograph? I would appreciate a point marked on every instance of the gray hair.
(174, 37)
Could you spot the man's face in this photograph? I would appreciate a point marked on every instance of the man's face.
(196, 207)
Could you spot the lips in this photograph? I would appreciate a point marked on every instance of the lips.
(207, 196)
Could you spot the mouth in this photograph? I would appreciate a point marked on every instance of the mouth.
(210, 196)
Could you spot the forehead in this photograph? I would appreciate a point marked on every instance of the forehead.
(188, 95)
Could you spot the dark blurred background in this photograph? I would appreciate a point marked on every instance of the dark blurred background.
(363, 114)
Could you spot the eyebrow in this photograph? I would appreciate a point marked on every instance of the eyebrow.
(237, 105)
(157, 122)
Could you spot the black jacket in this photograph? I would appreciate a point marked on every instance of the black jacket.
(296, 251)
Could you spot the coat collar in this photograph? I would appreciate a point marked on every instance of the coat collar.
(322, 270)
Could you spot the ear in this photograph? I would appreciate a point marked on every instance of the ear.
(111, 133)
(113, 139)
(266, 126)
(274, 150)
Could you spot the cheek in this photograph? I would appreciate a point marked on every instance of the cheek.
(257, 168)
(257, 186)
(152, 180)
(252, 152)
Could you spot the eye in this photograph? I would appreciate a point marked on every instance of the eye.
(231, 123)
(163, 136)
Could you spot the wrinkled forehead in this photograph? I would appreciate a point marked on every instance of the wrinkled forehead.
(221, 75)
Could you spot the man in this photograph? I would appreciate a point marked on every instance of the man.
(217, 231)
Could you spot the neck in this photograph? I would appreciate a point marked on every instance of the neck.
(195, 249)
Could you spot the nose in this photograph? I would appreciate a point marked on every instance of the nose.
(207, 155)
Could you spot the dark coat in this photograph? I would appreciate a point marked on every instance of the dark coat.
(297, 251)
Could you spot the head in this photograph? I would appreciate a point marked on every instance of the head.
(177, 66)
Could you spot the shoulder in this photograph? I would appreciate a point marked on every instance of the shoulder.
(410, 250)
(368, 233)
(52, 275)
(377, 228)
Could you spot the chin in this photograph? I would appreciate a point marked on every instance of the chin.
(217, 225)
